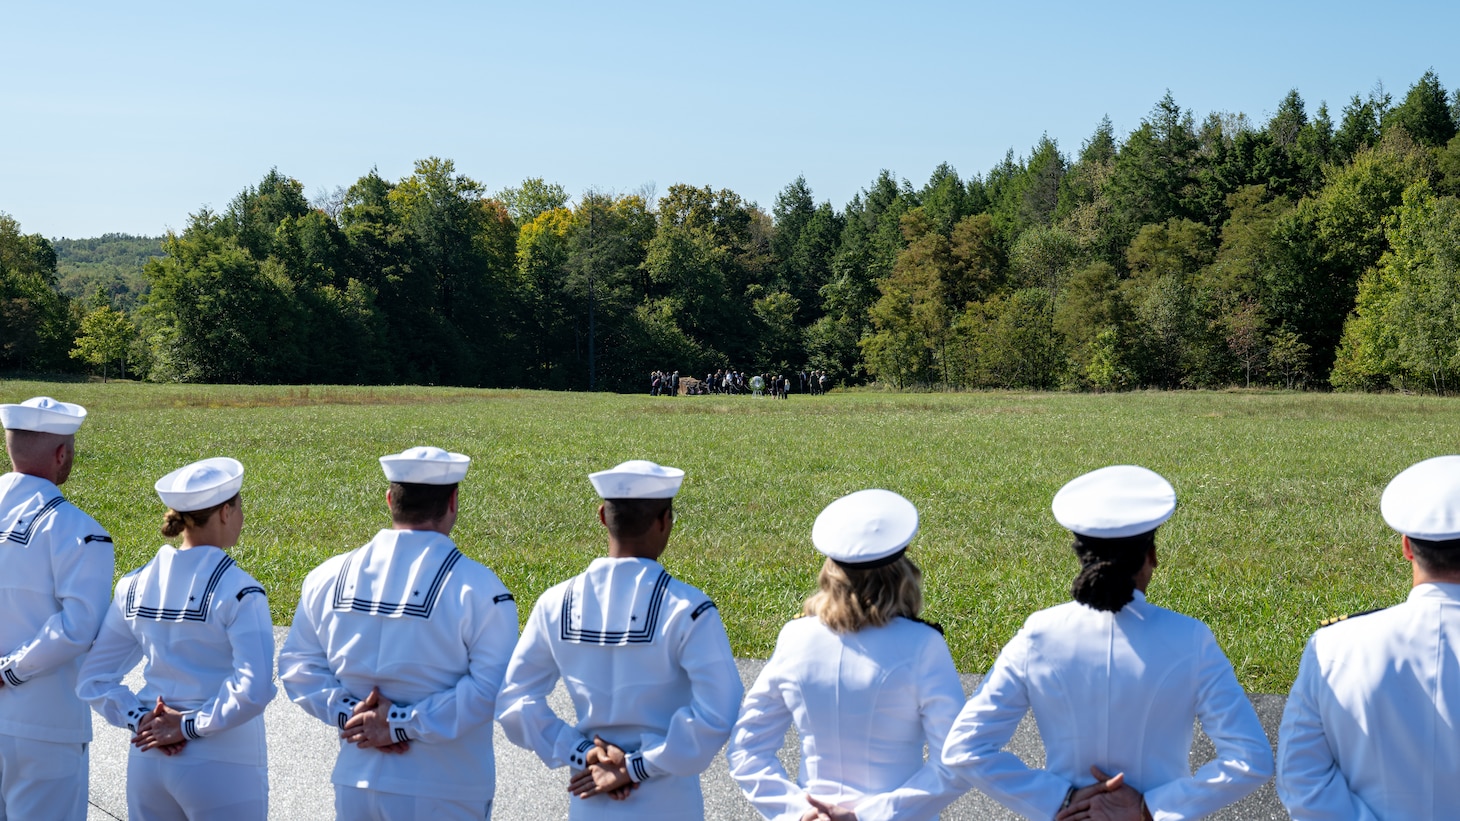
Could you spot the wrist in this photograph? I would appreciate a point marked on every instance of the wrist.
(190, 726)
(397, 718)
(637, 767)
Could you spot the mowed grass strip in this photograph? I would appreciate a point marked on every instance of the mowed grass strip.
(1278, 525)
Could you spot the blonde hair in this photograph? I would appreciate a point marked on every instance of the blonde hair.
(848, 600)
(175, 522)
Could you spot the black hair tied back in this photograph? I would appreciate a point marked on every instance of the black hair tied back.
(1108, 569)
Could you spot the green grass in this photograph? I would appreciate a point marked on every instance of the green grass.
(1278, 525)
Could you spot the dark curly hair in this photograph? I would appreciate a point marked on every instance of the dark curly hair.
(1108, 569)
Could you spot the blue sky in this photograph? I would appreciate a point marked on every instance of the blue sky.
(129, 116)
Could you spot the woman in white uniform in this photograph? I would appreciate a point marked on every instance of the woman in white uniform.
(865, 682)
(202, 625)
(1115, 683)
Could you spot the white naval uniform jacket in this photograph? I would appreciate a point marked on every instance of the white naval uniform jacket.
(203, 625)
(433, 630)
(864, 704)
(1372, 726)
(56, 568)
(1118, 691)
(647, 663)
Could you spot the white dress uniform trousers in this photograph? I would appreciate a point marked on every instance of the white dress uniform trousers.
(647, 663)
(202, 624)
(56, 568)
(864, 704)
(1372, 726)
(410, 614)
(1119, 691)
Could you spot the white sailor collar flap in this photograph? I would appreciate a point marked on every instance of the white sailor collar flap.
(20, 523)
(399, 573)
(177, 585)
(616, 602)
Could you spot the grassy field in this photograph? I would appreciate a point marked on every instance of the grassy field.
(1278, 525)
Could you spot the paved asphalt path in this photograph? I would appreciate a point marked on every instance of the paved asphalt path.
(302, 751)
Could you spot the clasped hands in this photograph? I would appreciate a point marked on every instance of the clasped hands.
(1108, 799)
(605, 772)
(369, 725)
(160, 729)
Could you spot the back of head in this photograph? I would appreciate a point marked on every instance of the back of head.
(1437, 558)
(629, 519)
(1423, 504)
(848, 599)
(1107, 579)
(34, 452)
(413, 503)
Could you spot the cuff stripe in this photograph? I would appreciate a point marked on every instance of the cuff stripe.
(13, 679)
(400, 735)
(190, 728)
(636, 764)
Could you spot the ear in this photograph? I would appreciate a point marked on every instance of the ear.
(1408, 549)
(1151, 555)
(602, 517)
(451, 505)
(387, 499)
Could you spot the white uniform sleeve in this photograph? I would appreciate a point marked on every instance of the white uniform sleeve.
(974, 751)
(933, 787)
(526, 717)
(82, 562)
(249, 690)
(99, 683)
(757, 737)
(473, 701)
(698, 730)
(305, 672)
(1309, 782)
(1244, 757)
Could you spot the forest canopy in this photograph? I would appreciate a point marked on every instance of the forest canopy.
(1317, 249)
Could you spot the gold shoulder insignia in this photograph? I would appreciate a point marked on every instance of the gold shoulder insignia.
(1332, 620)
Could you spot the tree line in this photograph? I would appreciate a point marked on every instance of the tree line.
(1306, 251)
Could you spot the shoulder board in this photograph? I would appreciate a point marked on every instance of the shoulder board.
(700, 611)
(501, 597)
(247, 590)
(97, 538)
(1336, 619)
(932, 624)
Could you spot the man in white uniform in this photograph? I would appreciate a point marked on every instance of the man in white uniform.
(1115, 683)
(55, 580)
(401, 646)
(645, 659)
(1372, 726)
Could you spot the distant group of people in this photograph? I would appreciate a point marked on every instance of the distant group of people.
(730, 382)
(410, 651)
(664, 383)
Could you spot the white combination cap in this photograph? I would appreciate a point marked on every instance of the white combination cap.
(43, 415)
(201, 485)
(1115, 502)
(866, 529)
(1423, 501)
(637, 479)
(425, 466)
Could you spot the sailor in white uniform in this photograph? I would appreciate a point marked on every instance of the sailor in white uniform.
(400, 646)
(1114, 681)
(645, 659)
(202, 624)
(56, 568)
(1372, 725)
(865, 682)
